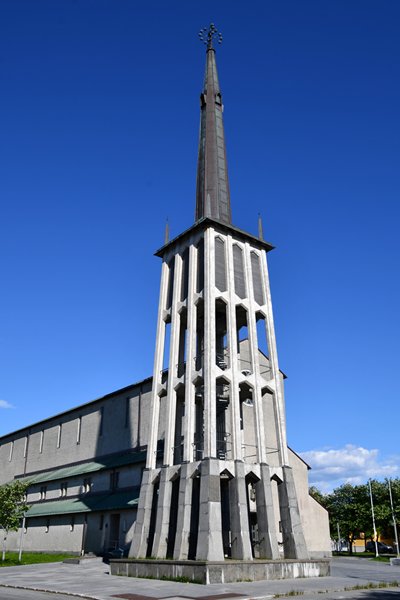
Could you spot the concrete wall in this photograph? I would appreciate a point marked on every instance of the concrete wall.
(314, 517)
(55, 442)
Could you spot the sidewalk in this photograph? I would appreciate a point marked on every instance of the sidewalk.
(92, 580)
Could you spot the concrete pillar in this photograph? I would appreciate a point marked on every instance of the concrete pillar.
(158, 363)
(209, 543)
(265, 514)
(294, 544)
(210, 445)
(141, 530)
(240, 531)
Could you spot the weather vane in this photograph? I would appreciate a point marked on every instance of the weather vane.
(206, 36)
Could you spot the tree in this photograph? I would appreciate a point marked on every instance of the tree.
(12, 508)
(349, 506)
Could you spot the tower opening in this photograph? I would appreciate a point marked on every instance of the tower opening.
(198, 440)
(180, 370)
(242, 333)
(199, 335)
(173, 517)
(179, 413)
(225, 514)
(194, 517)
(153, 518)
(262, 342)
(222, 400)
(221, 338)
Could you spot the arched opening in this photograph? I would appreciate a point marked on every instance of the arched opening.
(153, 517)
(221, 337)
(173, 516)
(222, 435)
(251, 494)
(226, 513)
(194, 516)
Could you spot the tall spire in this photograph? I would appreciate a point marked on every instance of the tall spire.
(212, 193)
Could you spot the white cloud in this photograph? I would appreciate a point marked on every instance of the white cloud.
(331, 467)
(5, 404)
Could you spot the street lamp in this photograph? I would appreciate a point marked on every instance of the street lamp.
(373, 518)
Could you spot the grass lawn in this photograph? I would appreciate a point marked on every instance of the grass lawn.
(31, 558)
(381, 558)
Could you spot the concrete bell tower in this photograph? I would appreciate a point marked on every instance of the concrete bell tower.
(217, 482)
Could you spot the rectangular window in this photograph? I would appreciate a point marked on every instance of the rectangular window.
(114, 480)
(87, 485)
(78, 430)
(43, 492)
(101, 420)
(127, 410)
(63, 489)
(59, 432)
(41, 442)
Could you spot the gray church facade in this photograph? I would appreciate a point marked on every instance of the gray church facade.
(193, 462)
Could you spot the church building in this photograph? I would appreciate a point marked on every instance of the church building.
(192, 463)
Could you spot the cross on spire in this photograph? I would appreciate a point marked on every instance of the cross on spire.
(207, 35)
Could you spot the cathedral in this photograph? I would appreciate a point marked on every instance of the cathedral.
(191, 464)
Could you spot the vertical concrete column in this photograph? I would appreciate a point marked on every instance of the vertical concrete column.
(210, 445)
(265, 514)
(181, 549)
(254, 352)
(141, 530)
(294, 544)
(240, 529)
(189, 418)
(158, 362)
(160, 543)
(237, 450)
(173, 360)
(209, 543)
(273, 356)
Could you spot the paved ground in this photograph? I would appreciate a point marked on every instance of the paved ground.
(92, 580)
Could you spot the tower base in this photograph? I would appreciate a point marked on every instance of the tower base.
(229, 571)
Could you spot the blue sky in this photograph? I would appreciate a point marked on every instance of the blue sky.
(99, 125)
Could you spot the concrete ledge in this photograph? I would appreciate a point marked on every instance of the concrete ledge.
(395, 562)
(228, 571)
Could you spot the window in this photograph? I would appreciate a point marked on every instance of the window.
(114, 480)
(87, 485)
(59, 435)
(78, 430)
(101, 420)
(63, 489)
(11, 451)
(43, 492)
(127, 409)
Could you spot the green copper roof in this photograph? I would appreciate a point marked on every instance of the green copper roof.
(110, 462)
(96, 502)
